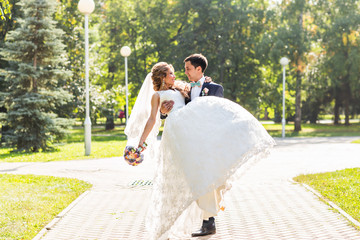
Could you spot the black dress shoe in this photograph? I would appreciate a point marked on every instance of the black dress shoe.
(207, 228)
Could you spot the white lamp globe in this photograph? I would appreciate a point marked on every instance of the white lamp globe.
(284, 61)
(125, 51)
(86, 6)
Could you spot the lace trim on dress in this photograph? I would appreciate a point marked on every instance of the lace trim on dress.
(178, 211)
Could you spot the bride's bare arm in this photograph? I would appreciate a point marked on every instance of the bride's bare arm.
(155, 101)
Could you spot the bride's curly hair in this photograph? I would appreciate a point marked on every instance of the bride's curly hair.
(159, 72)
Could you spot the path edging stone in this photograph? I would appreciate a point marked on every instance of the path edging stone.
(330, 203)
(59, 216)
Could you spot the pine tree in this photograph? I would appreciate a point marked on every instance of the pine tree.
(36, 59)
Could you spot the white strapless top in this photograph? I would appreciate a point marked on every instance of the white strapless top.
(176, 96)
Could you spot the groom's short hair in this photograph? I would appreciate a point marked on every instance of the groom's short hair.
(196, 60)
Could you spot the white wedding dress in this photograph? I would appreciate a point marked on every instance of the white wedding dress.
(204, 145)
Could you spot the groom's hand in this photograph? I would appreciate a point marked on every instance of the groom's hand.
(166, 106)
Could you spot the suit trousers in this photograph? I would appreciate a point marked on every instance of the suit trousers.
(210, 203)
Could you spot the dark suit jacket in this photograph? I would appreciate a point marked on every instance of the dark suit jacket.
(214, 90)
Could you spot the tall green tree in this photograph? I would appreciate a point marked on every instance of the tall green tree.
(243, 41)
(70, 20)
(147, 28)
(36, 64)
(317, 88)
(269, 51)
(341, 43)
(7, 24)
(291, 39)
(227, 33)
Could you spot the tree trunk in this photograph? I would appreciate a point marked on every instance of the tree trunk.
(337, 110)
(297, 123)
(110, 124)
(266, 114)
(347, 112)
(346, 104)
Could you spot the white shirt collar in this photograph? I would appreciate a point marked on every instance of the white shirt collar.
(202, 80)
(195, 91)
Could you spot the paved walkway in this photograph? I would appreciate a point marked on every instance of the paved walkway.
(264, 204)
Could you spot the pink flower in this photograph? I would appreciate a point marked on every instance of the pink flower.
(205, 92)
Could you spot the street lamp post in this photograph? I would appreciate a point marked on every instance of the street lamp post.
(86, 7)
(125, 52)
(283, 61)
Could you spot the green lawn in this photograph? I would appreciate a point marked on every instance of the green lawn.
(28, 203)
(314, 130)
(98, 134)
(341, 187)
(104, 144)
(111, 143)
(70, 151)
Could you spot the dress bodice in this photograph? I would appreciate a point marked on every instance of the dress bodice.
(176, 96)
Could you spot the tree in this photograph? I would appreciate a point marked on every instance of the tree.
(36, 64)
(296, 45)
(70, 20)
(143, 26)
(243, 41)
(5, 9)
(341, 44)
(317, 90)
(227, 33)
(6, 25)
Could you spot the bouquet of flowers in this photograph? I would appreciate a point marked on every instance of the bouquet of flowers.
(133, 155)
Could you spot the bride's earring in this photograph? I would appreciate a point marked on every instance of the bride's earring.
(163, 84)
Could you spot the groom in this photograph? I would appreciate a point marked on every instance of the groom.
(195, 66)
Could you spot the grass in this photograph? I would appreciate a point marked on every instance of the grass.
(104, 144)
(314, 130)
(341, 187)
(28, 202)
(112, 142)
(71, 151)
(331, 117)
(98, 134)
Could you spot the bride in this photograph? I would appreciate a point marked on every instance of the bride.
(204, 145)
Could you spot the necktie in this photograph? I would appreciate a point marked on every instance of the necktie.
(193, 84)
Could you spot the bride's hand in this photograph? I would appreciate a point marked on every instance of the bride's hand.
(142, 145)
(208, 79)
